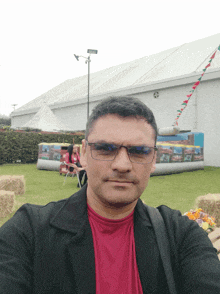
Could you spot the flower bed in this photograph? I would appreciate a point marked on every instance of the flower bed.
(203, 219)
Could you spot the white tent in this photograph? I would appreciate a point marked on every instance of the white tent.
(176, 62)
(45, 120)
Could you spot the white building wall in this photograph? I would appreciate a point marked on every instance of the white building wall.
(19, 120)
(72, 116)
(166, 105)
(208, 119)
(202, 113)
(75, 116)
(164, 108)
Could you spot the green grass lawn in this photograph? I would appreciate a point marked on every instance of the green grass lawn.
(177, 191)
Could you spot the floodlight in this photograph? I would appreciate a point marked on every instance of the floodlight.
(92, 51)
(77, 57)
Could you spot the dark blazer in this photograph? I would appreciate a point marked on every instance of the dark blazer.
(49, 249)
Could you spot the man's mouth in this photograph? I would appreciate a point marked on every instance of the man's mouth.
(121, 182)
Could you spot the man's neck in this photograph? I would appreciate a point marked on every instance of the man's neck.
(109, 211)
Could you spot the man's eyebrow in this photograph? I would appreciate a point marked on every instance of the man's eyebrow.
(128, 145)
(102, 141)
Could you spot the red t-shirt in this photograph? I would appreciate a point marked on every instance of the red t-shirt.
(115, 258)
(74, 157)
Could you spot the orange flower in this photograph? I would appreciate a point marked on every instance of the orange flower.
(199, 213)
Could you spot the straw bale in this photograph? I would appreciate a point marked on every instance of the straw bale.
(210, 203)
(7, 199)
(15, 184)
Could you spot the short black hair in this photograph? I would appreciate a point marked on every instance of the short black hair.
(124, 106)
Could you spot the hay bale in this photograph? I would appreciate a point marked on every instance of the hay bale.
(7, 199)
(210, 203)
(15, 184)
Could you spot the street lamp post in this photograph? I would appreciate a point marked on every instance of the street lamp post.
(88, 60)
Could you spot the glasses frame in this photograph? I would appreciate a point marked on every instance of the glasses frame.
(119, 147)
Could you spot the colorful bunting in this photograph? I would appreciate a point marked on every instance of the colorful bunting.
(213, 56)
(185, 102)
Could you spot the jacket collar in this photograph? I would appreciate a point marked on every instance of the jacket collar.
(72, 215)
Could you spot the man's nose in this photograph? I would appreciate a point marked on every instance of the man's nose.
(122, 161)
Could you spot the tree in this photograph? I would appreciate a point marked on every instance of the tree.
(4, 120)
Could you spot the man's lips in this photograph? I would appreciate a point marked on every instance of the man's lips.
(120, 181)
(117, 181)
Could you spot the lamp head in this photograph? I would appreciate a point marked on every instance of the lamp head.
(77, 57)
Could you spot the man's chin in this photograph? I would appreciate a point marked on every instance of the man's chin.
(119, 197)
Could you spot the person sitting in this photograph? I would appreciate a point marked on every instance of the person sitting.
(72, 158)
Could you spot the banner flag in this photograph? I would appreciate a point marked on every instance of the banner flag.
(213, 55)
(194, 86)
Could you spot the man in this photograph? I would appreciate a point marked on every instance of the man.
(100, 240)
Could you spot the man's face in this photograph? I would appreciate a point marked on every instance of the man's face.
(118, 182)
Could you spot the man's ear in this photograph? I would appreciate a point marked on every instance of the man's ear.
(83, 158)
(153, 166)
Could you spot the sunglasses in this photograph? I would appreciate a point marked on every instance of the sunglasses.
(137, 154)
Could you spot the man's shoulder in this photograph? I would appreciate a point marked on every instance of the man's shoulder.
(168, 211)
(34, 214)
(174, 217)
(41, 215)
(180, 224)
(47, 209)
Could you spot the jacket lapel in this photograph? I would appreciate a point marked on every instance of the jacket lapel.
(73, 218)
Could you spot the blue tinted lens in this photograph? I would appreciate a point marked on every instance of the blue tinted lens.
(141, 150)
(105, 147)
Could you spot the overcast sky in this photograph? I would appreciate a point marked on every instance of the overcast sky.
(38, 38)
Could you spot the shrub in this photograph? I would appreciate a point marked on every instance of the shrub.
(21, 146)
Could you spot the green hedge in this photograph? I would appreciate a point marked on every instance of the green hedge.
(17, 146)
